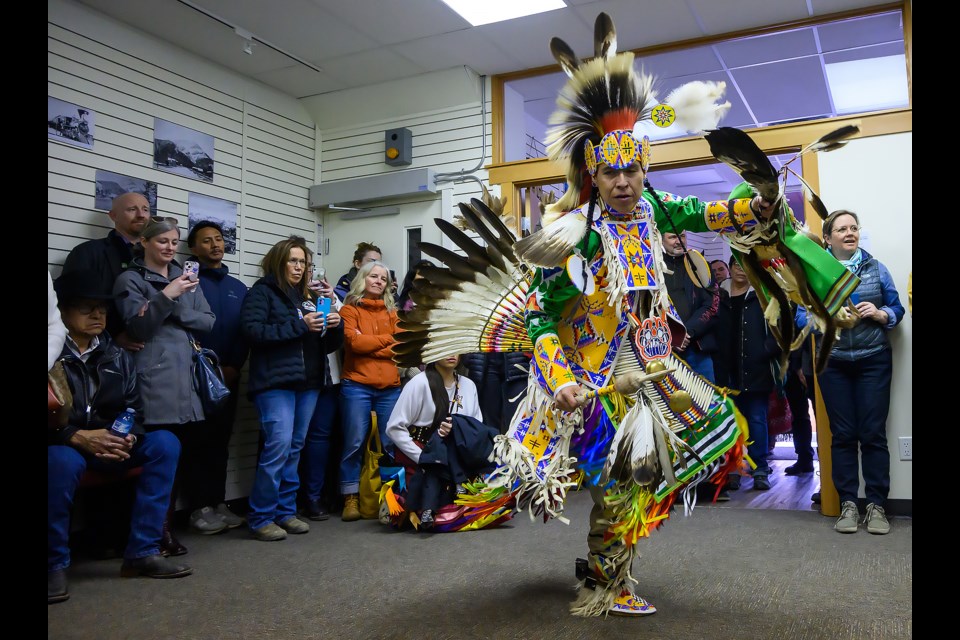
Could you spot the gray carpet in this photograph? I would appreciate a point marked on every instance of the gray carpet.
(720, 574)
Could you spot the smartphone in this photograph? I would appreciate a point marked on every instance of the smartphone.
(323, 306)
(855, 298)
(191, 269)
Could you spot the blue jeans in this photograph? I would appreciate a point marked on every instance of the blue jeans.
(316, 452)
(157, 452)
(753, 405)
(857, 398)
(284, 418)
(356, 402)
(700, 362)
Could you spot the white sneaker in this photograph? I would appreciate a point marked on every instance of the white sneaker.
(876, 520)
(207, 521)
(228, 517)
(849, 518)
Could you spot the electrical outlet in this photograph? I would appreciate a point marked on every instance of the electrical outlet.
(906, 448)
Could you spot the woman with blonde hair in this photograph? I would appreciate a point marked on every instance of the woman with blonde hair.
(289, 341)
(370, 380)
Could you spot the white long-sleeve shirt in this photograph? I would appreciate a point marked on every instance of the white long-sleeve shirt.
(56, 331)
(415, 407)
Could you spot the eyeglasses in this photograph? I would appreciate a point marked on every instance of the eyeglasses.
(296, 261)
(88, 309)
(842, 230)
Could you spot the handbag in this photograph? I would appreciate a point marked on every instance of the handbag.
(59, 397)
(208, 379)
(370, 472)
(779, 416)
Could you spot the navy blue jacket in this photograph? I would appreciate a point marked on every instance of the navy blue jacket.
(225, 295)
(281, 346)
(868, 337)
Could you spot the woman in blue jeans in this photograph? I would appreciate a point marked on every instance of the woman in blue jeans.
(855, 384)
(370, 380)
(289, 341)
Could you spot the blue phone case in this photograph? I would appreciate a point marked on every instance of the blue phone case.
(323, 306)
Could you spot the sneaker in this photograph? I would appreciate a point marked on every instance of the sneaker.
(723, 496)
(57, 586)
(295, 525)
(761, 483)
(849, 518)
(815, 497)
(155, 566)
(876, 520)
(269, 533)
(426, 520)
(629, 604)
(228, 517)
(315, 511)
(207, 522)
(351, 507)
(733, 482)
(798, 469)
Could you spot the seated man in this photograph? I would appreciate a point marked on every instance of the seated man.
(103, 381)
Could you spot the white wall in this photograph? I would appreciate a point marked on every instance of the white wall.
(443, 112)
(873, 177)
(264, 152)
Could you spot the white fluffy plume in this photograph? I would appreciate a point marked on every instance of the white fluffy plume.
(696, 105)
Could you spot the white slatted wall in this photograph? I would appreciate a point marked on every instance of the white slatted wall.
(446, 140)
(264, 154)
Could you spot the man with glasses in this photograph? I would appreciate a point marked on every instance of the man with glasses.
(108, 257)
(103, 381)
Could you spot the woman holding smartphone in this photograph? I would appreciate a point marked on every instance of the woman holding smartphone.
(370, 379)
(289, 342)
(161, 307)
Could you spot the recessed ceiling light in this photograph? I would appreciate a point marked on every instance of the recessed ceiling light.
(868, 85)
(478, 12)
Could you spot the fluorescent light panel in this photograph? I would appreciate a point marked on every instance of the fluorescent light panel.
(868, 85)
(478, 12)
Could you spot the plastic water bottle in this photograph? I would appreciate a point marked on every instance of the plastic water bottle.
(124, 422)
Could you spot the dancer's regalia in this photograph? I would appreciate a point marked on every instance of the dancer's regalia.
(586, 296)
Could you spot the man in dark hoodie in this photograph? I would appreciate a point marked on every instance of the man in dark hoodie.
(225, 295)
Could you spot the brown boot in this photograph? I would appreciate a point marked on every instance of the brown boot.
(351, 507)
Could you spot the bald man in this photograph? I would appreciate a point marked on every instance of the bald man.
(109, 256)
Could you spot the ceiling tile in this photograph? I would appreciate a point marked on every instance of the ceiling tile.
(788, 90)
(669, 22)
(864, 53)
(860, 32)
(681, 62)
(393, 22)
(460, 48)
(370, 67)
(777, 46)
(300, 81)
(528, 38)
(725, 17)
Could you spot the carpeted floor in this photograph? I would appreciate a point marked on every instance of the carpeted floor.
(721, 573)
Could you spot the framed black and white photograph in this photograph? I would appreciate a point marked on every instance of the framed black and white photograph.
(223, 212)
(182, 151)
(110, 185)
(70, 123)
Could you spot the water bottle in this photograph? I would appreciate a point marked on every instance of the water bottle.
(124, 422)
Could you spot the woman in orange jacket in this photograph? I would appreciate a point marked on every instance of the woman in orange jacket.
(370, 380)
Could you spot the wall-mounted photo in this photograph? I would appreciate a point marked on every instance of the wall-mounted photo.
(223, 212)
(110, 185)
(70, 123)
(182, 151)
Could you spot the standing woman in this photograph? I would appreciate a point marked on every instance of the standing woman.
(366, 252)
(370, 380)
(161, 307)
(289, 345)
(856, 381)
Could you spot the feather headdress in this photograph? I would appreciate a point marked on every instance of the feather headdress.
(595, 123)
